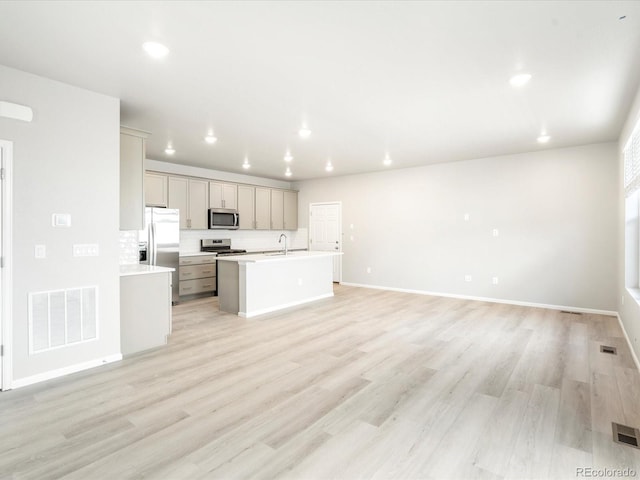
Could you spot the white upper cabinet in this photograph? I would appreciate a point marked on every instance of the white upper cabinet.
(290, 210)
(156, 190)
(247, 207)
(132, 153)
(277, 210)
(263, 208)
(190, 196)
(223, 195)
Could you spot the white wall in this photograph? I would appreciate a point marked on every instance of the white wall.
(65, 161)
(555, 210)
(629, 309)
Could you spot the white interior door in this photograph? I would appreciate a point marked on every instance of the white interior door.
(325, 232)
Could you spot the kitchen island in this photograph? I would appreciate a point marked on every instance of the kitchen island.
(250, 285)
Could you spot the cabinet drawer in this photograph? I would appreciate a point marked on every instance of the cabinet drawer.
(191, 272)
(189, 287)
(197, 260)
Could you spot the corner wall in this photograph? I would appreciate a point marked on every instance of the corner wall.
(555, 212)
(65, 161)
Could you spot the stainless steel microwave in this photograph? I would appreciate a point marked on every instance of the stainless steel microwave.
(223, 219)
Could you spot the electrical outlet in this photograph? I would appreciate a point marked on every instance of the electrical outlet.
(466, 217)
(494, 280)
(368, 269)
(40, 251)
(299, 282)
(496, 232)
(467, 278)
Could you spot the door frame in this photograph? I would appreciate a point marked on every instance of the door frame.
(339, 257)
(6, 293)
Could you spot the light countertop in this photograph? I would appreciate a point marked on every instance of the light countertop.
(140, 269)
(279, 257)
(196, 254)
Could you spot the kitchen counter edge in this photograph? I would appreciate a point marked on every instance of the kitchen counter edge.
(138, 269)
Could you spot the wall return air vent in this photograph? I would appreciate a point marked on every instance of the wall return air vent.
(59, 318)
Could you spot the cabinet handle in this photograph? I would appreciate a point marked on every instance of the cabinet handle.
(206, 272)
(186, 274)
(187, 288)
(208, 285)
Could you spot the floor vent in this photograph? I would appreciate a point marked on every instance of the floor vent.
(608, 349)
(625, 435)
(570, 313)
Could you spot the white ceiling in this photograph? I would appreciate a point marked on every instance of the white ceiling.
(425, 81)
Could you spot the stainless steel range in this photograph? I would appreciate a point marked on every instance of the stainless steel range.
(221, 247)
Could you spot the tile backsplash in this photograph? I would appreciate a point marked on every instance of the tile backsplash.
(245, 239)
(128, 247)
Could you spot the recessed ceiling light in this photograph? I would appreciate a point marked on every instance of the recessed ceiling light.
(304, 131)
(544, 138)
(210, 138)
(169, 150)
(387, 160)
(246, 165)
(155, 49)
(520, 79)
(288, 157)
(329, 167)
(288, 172)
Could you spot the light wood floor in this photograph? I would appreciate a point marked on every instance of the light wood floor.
(368, 384)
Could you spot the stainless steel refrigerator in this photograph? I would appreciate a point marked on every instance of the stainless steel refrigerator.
(160, 242)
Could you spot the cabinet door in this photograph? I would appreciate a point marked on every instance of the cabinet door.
(179, 198)
(246, 207)
(223, 195)
(230, 196)
(198, 204)
(263, 208)
(277, 209)
(131, 182)
(290, 210)
(155, 190)
(215, 195)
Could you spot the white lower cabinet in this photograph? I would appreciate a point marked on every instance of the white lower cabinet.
(145, 311)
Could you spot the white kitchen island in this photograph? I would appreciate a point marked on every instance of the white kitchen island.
(250, 285)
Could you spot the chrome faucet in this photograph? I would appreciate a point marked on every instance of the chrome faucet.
(285, 242)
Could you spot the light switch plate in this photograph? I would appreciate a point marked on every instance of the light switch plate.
(40, 251)
(86, 250)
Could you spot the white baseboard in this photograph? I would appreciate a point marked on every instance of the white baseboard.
(41, 377)
(255, 313)
(633, 352)
(487, 299)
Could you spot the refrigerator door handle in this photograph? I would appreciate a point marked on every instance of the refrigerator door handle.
(154, 247)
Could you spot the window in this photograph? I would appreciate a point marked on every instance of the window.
(631, 155)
